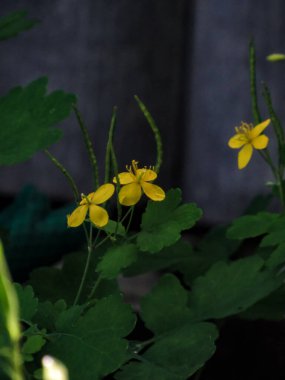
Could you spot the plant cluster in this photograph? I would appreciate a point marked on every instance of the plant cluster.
(73, 320)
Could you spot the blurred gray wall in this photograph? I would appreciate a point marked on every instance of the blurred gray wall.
(187, 60)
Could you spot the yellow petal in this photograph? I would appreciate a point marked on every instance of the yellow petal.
(244, 156)
(237, 141)
(84, 200)
(154, 192)
(102, 194)
(130, 194)
(77, 217)
(125, 178)
(260, 142)
(146, 174)
(257, 130)
(98, 215)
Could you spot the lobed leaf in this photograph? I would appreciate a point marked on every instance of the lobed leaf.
(94, 346)
(249, 226)
(275, 234)
(28, 303)
(180, 347)
(163, 222)
(229, 288)
(27, 118)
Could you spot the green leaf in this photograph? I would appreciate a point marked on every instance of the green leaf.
(15, 23)
(270, 308)
(277, 257)
(163, 222)
(27, 119)
(113, 227)
(177, 255)
(249, 226)
(27, 301)
(228, 289)
(51, 283)
(68, 318)
(94, 346)
(165, 308)
(176, 356)
(33, 344)
(180, 347)
(115, 259)
(213, 247)
(48, 313)
(276, 233)
(182, 257)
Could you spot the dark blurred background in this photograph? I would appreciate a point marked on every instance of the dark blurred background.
(188, 62)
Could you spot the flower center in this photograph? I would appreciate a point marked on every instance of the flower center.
(244, 132)
(133, 169)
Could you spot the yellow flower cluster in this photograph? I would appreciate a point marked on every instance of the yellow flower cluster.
(134, 183)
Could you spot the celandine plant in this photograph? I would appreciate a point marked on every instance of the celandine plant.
(72, 321)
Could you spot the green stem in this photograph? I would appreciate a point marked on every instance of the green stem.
(89, 147)
(89, 252)
(101, 242)
(130, 238)
(130, 219)
(116, 171)
(65, 173)
(109, 146)
(97, 282)
(253, 92)
(155, 130)
(126, 214)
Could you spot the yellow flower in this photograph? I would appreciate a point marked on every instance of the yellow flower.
(136, 181)
(98, 215)
(248, 137)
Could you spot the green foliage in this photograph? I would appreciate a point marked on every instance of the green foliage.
(275, 233)
(65, 281)
(175, 356)
(27, 118)
(166, 313)
(163, 222)
(48, 313)
(73, 311)
(32, 345)
(177, 255)
(183, 257)
(277, 257)
(115, 227)
(270, 308)
(227, 289)
(93, 346)
(249, 226)
(27, 301)
(115, 259)
(14, 23)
